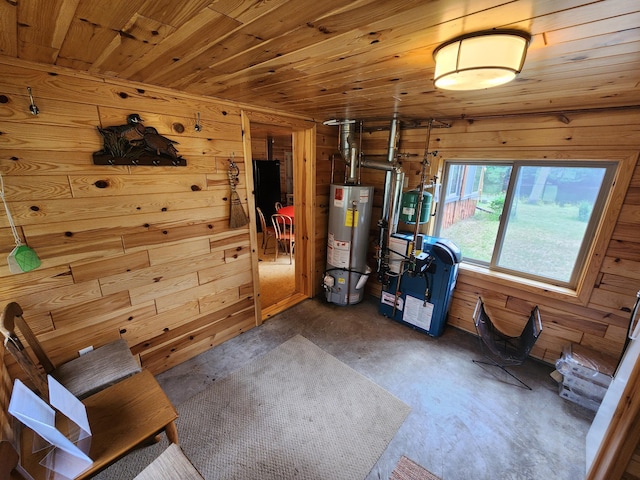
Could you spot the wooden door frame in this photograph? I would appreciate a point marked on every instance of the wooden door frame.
(303, 134)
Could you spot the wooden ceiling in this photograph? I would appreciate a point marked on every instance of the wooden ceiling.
(361, 59)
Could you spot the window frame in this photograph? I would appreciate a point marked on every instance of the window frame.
(617, 176)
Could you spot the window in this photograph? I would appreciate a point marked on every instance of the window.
(464, 182)
(531, 219)
(454, 184)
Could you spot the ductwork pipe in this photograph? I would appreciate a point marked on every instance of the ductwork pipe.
(394, 134)
(349, 149)
(393, 182)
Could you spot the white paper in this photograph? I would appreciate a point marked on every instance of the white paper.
(25, 402)
(69, 405)
(34, 412)
(64, 464)
(417, 312)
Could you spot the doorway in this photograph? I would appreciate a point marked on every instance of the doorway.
(272, 162)
(270, 134)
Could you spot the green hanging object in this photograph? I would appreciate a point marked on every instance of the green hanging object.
(22, 258)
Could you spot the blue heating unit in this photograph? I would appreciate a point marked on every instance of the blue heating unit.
(420, 286)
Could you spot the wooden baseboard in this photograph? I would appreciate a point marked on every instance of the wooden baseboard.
(282, 305)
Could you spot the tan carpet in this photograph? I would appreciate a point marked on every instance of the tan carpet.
(407, 469)
(277, 278)
(295, 413)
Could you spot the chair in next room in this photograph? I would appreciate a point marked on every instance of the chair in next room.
(283, 225)
(502, 350)
(267, 230)
(82, 376)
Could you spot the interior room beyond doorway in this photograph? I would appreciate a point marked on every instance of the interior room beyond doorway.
(272, 155)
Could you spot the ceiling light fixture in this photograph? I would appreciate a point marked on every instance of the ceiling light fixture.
(480, 60)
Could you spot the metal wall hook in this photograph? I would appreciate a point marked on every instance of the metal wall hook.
(197, 126)
(32, 107)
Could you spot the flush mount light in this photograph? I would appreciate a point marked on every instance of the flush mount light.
(480, 60)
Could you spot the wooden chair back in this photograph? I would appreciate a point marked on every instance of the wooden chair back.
(267, 230)
(9, 437)
(263, 222)
(10, 318)
(283, 226)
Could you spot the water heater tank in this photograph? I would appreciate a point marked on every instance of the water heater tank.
(347, 243)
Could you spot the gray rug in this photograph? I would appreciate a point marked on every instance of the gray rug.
(295, 413)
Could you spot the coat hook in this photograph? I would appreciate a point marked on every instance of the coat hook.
(197, 126)
(32, 107)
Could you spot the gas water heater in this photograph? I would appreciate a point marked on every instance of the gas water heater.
(349, 219)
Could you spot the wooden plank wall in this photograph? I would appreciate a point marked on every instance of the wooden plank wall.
(150, 257)
(600, 317)
(326, 147)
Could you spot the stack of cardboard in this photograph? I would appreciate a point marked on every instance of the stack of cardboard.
(584, 376)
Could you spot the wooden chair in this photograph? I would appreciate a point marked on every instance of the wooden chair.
(172, 463)
(8, 461)
(82, 376)
(283, 225)
(267, 231)
(502, 350)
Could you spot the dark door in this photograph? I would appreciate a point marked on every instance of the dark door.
(266, 178)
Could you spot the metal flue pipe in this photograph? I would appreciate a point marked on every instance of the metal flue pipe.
(348, 148)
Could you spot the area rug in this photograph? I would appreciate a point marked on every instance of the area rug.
(294, 413)
(407, 469)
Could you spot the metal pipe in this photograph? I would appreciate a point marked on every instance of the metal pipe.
(423, 181)
(394, 133)
(394, 216)
(377, 165)
(392, 168)
(349, 150)
(344, 144)
(360, 154)
(353, 164)
(333, 165)
(354, 207)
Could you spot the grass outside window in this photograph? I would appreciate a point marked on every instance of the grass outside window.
(533, 220)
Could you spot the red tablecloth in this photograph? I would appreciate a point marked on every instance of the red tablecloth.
(288, 211)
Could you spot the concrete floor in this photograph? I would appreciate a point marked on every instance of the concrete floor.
(465, 423)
